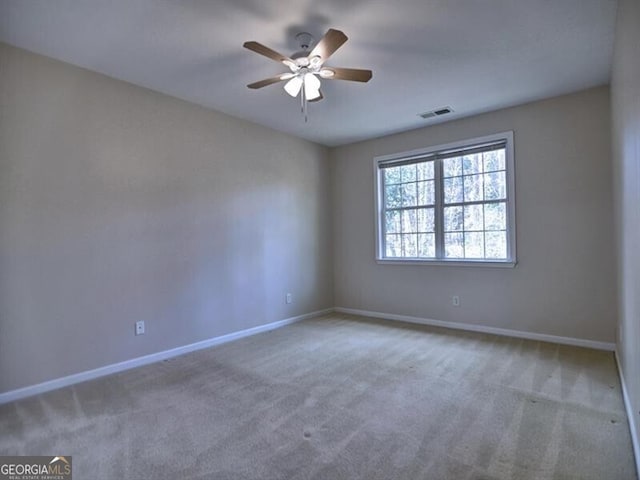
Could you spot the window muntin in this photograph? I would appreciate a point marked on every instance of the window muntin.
(452, 204)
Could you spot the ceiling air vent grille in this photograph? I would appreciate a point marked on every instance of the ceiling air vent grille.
(436, 113)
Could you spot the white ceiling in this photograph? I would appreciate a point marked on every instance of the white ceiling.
(472, 55)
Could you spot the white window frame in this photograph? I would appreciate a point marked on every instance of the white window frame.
(511, 260)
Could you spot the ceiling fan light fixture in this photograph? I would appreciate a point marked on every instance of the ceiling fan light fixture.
(293, 86)
(327, 73)
(311, 86)
(306, 68)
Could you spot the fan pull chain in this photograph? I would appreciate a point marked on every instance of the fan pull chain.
(303, 100)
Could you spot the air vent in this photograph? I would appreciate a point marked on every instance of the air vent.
(436, 113)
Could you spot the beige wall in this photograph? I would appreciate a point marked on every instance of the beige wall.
(564, 283)
(625, 103)
(119, 204)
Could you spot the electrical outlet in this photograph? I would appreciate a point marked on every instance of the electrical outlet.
(455, 301)
(140, 327)
(288, 298)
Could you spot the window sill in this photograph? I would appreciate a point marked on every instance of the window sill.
(449, 263)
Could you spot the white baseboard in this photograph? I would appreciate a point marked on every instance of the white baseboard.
(20, 393)
(630, 415)
(579, 342)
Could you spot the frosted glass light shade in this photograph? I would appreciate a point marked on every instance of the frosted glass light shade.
(311, 86)
(293, 86)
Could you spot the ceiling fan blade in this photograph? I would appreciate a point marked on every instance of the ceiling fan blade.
(268, 81)
(266, 51)
(328, 44)
(317, 99)
(351, 74)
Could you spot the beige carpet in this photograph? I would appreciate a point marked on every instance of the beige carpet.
(341, 397)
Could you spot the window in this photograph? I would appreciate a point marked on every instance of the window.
(453, 203)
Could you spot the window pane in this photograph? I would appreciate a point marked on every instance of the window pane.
(409, 196)
(496, 245)
(391, 175)
(453, 190)
(409, 221)
(410, 244)
(495, 186)
(426, 222)
(454, 245)
(494, 160)
(468, 195)
(473, 217)
(392, 222)
(474, 244)
(495, 216)
(427, 245)
(472, 164)
(426, 193)
(408, 173)
(393, 246)
(393, 196)
(453, 219)
(452, 167)
(425, 171)
(473, 188)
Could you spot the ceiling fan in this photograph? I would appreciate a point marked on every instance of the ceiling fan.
(305, 67)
